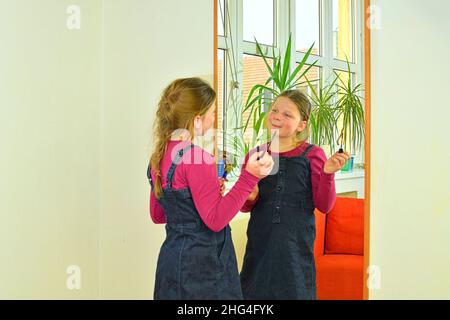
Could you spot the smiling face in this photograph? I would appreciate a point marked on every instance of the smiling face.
(285, 117)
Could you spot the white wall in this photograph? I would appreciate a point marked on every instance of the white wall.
(147, 44)
(410, 209)
(76, 110)
(49, 155)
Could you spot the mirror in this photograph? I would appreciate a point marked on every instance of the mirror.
(321, 44)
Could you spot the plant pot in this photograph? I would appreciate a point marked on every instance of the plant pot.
(348, 167)
(220, 168)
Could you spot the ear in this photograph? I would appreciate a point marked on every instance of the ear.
(302, 126)
(197, 122)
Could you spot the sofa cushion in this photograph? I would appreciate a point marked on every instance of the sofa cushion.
(340, 277)
(319, 244)
(345, 227)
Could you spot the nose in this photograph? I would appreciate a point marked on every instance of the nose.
(275, 117)
(276, 120)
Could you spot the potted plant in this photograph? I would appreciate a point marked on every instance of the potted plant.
(322, 121)
(331, 103)
(280, 79)
(349, 108)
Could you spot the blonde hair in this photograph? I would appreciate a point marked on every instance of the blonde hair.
(180, 103)
(304, 107)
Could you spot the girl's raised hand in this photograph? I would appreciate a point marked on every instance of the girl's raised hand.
(260, 168)
(336, 162)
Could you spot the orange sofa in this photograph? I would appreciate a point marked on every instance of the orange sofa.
(339, 251)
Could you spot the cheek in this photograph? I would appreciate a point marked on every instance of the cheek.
(291, 125)
(209, 121)
(271, 117)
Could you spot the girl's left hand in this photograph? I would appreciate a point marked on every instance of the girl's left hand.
(336, 162)
(222, 186)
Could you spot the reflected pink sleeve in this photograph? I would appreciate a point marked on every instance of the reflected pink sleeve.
(323, 186)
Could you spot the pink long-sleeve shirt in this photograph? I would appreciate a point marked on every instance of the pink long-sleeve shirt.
(323, 187)
(197, 170)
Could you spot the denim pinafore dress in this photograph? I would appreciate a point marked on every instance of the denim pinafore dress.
(279, 258)
(194, 262)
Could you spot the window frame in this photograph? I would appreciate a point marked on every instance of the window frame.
(236, 47)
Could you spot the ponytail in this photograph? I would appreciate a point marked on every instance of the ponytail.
(180, 102)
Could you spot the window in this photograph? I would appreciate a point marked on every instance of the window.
(334, 26)
(307, 25)
(343, 29)
(221, 18)
(220, 88)
(258, 21)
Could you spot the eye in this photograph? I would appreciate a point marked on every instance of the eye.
(288, 115)
(274, 110)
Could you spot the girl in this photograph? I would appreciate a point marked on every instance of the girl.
(197, 259)
(279, 257)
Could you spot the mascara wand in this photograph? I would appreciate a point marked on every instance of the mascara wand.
(268, 145)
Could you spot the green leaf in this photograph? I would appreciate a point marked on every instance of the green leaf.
(286, 63)
(259, 50)
(302, 64)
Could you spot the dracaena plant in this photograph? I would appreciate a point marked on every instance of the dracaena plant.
(349, 108)
(322, 121)
(280, 79)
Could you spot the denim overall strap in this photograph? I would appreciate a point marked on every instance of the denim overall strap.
(149, 176)
(175, 162)
(307, 150)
